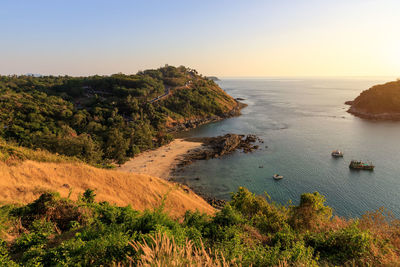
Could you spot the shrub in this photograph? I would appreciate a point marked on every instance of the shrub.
(311, 212)
(343, 245)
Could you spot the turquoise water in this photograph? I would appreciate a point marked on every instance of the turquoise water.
(301, 122)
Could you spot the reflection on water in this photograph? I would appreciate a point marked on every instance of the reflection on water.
(301, 122)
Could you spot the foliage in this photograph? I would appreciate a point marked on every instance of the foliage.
(249, 230)
(11, 153)
(88, 196)
(311, 213)
(101, 119)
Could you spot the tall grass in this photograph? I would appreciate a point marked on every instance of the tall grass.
(163, 251)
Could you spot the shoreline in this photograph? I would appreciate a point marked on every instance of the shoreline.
(374, 117)
(162, 161)
(167, 162)
(196, 122)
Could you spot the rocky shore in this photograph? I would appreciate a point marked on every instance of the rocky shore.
(374, 116)
(195, 122)
(214, 147)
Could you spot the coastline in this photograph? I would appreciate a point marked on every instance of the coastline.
(168, 160)
(160, 162)
(373, 116)
(196, 122)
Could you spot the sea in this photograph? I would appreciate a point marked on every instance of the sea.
(301, 121)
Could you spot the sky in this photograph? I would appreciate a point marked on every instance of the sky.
(224, 38)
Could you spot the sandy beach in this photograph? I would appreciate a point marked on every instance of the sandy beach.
(160, 161)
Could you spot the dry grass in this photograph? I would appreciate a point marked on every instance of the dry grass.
(25, 181)
(386, 229)
(163, 251)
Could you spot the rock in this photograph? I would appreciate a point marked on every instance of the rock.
(215, 147)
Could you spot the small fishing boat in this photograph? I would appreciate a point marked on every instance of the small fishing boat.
(359, 165)
(277, 176)
(337, 154)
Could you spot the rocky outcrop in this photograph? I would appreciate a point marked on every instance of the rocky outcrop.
(215, 147)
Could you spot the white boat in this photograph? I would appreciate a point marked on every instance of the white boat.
(337, 154)
(277, 176)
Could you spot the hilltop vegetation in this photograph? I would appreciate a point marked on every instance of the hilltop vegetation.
(248, 230)
(101, 119)
(379, 102)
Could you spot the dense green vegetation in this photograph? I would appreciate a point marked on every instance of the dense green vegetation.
(248, 230)
(13, 154)
(383, 98)
(101, 119)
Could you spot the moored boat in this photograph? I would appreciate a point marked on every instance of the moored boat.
(277, 176)
(359, 165)
(337, 154)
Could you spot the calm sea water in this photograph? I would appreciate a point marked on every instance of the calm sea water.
(301, 122)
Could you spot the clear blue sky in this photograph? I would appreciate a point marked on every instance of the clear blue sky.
(220, 37)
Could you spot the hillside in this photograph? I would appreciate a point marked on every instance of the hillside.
(249, 231)
(26, 174)
(380, 102)
(55, 210)
(105, 119)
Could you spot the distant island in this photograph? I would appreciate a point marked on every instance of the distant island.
(380, 102)
(213, 78)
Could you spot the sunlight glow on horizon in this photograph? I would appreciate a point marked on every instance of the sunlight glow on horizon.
(221, 38)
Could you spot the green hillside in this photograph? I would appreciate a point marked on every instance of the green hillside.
(100, 119)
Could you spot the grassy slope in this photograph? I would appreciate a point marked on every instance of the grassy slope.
(24, 180)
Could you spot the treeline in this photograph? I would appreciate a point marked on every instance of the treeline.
(249, 231)
(102, 119)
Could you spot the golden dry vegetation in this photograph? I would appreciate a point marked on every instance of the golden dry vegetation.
(24, 181)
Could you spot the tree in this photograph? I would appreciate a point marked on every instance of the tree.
(116, 146)
(311, 212)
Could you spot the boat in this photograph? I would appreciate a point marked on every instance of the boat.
(337, 154)
(277, 176)
(359, 165)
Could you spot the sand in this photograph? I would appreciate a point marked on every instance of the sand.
(159, 162)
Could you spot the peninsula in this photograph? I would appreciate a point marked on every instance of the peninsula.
(380, 102)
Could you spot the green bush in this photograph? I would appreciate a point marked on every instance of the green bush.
(340, 246)
(246, 231)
